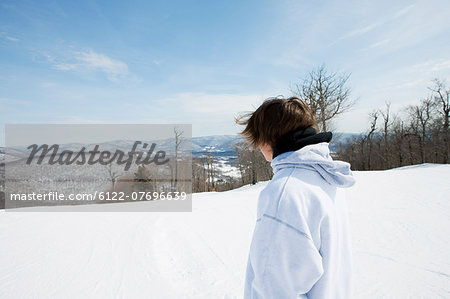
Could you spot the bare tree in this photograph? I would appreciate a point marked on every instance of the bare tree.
(326, 94)
(387, 123)
(211, 168)
(239, 147)
(418, 134)
(198, 175)
(252, 164)
(373, 127)
(178, 139)
(112, 175)
(398, 140)
(442, 99)
(420, 117)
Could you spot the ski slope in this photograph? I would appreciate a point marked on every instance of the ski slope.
(400, 226)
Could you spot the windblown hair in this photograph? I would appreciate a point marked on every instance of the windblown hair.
(274, 118)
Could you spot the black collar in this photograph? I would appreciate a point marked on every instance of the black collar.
(296, 139)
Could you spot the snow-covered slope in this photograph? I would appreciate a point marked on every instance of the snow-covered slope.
(400, 226)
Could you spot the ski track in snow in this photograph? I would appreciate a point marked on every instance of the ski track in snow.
(400, 227)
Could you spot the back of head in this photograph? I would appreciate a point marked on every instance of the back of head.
(275, 118)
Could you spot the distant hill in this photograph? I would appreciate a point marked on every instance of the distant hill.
(221, 145)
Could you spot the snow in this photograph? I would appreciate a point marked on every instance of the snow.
(226, 169)
(400, 226)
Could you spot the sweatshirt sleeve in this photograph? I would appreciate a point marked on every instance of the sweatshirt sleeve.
(285, 262)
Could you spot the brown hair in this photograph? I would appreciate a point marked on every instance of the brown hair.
(274, 118)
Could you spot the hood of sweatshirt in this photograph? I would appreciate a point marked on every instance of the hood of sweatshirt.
(317, 157)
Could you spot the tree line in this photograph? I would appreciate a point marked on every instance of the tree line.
(249, 162)
(416, 134)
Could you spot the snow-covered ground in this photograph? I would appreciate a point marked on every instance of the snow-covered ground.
(400, 226)
(224, 168)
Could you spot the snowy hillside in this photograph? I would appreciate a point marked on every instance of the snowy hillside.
(400, 226)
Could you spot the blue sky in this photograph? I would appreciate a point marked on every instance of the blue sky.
(203, 62)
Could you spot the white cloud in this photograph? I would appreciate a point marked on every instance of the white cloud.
(380, 43)
(212, 105)
(441, 66)
(103, 63)
(89, 61)
(4, 35)
(292, 58)
(433, 65)
(210, 114)
(403, 11)
(408, 84)
(13, 39)
(407, 27)
(361, 31)
(65, 66)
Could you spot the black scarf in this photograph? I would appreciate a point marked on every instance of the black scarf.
(296, 139)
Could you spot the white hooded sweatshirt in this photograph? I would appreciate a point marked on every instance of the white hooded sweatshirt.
(301, 241)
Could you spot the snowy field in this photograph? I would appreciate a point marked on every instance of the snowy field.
(400, 226)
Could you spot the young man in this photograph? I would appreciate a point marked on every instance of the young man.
(301, 242)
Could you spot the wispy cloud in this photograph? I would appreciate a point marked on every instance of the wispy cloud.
(408, 84)
(405, 28)
(209, 113)
(403, 11)
(361, 31)
(85, 62)
(441, 65)
(366, 29)
(213, 105)
(430, 66)
(380, 43)
(92, 61)
(292, 58)
(4, 35)
(356, 32)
